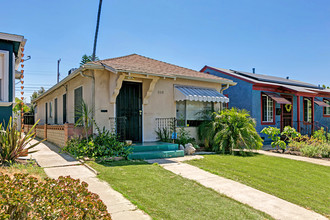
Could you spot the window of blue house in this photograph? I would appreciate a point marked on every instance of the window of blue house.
(267, 106)
(307, 110)
(326, 110)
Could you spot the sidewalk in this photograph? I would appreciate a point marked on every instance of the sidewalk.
(294, 157)
(56, 164)
(275, 207)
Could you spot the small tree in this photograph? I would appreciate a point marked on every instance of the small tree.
(35, 95)
(275, 134)
(18, 106)
(87, 59)
(235, 129)
(85, 119)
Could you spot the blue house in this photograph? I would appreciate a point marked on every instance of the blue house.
(276, 101)
(10, 58)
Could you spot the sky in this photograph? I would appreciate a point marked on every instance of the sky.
(277, 37)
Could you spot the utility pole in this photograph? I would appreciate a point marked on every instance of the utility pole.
(58, 70)
(97, 29)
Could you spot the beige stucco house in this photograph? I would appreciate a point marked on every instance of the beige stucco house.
(141, 89)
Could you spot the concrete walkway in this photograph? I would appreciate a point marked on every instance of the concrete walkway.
(275, 207)
(56, 164)
(294, 157)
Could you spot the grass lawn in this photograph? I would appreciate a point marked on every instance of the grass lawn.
(30, 168)
(164, 195)
(302, 183)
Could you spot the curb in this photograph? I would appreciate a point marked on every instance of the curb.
(89, 167)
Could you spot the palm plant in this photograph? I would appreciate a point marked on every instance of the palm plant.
(13, 144)
(85, 118)
(235, 129)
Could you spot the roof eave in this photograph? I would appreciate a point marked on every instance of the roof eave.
(69, 77)
(229, 82)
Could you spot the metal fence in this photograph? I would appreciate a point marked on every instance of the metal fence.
(118, 126)
(28, 119)
(304, 128)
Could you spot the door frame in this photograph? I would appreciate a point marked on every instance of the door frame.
(282, 108)
(142, 106)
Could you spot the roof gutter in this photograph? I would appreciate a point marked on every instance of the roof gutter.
(223, 89)
(229, 82)
(69, 77)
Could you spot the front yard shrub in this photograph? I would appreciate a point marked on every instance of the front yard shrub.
(25, 197)
(235, 129)
(164, 134)
(311, 147)
(104, 145)
(184, 137)
(320, 135)
(309, 150)
(13, 144)
(275, 134)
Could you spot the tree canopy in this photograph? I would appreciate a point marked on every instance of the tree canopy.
(87, 59)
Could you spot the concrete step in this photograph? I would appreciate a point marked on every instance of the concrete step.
(155, 154)
(154, 146)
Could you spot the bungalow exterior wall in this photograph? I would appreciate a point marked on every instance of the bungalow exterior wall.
(161, 102)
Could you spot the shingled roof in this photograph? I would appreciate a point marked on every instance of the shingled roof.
(141, 64)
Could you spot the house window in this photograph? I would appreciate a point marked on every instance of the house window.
(327, 109)
(55, 111)
(78, 94)
(50, 110)
(4, 61)
(307, 110)
(191, 113)
(267, 106)
(46, 113)
(64, 108)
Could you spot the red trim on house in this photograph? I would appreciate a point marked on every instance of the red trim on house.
(261, 113)
(227, 104)
(313, 107)
(298, 113)
(312, 104)
(324, 115)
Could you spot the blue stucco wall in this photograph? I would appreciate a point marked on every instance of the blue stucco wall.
(240, 96)
(6, 112)
(318, 115)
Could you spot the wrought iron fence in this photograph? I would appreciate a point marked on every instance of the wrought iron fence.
(305, 128)
(118, 126)
(28, 119)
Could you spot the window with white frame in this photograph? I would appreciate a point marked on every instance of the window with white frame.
(267, 109)
(192, 113)
(327, 109)
(4, 62)
(307, 110)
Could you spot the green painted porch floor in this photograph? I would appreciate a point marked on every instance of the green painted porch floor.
(154, 150)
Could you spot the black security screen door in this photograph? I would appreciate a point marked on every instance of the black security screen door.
(129, 104)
